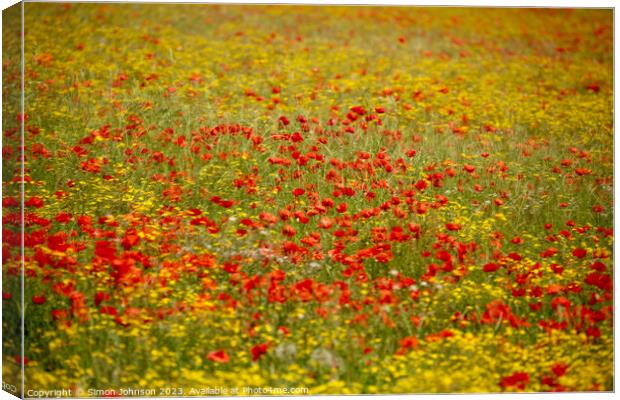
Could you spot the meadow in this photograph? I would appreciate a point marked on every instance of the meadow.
(342, 199)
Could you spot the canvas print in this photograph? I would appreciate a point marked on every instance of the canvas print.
(213, 199)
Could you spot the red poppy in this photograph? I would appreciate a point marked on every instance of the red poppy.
(469, 168)
(583, 171)
(406, 344)
(517, 380)
(100, 297)
(580, 253)
(560, 302)
(289, 231)
(559, 369)
(109, 310)
(284, 121)
(10, 202)
(259, 350)
(218, 356)
(453, 227)
(491, 267)
(63, 217)
(34, 202)
(19, 360)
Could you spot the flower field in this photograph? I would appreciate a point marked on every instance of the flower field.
(341, 199)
